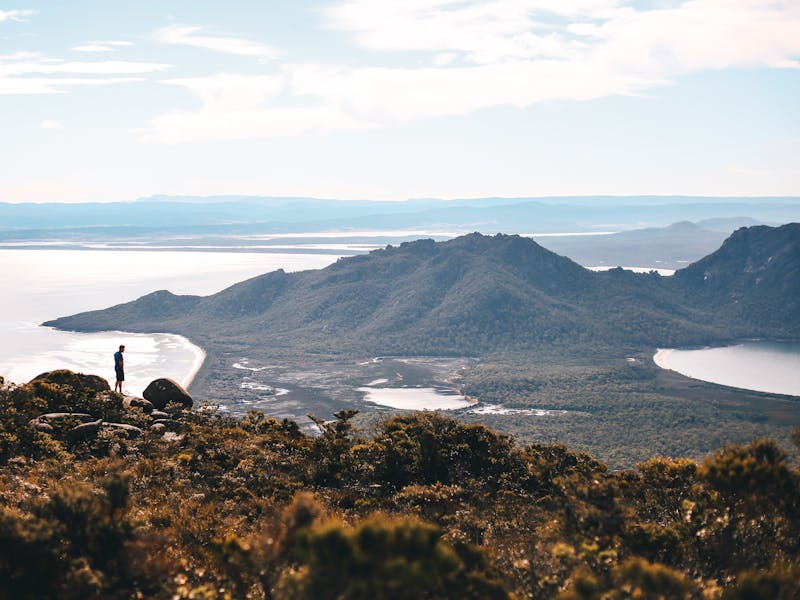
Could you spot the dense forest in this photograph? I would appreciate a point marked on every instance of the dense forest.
(421, 506)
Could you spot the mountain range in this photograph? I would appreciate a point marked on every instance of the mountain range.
(239, 215)
(479, 294)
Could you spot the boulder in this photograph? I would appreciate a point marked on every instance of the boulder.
(85, 431)
(163, 391)
(131, 431)
(133, 401)
(77, 381)
(159, 414)
(158, 428)
(42, 426)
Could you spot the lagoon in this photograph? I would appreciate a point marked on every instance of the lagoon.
(415, 398)
(760, 366)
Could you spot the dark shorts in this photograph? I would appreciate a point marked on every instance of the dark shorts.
(120, 374)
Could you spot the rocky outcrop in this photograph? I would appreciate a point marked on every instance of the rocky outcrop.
(165, 391)
(77, 381)
(82, 407)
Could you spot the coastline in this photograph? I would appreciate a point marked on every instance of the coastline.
(736, 366)
(661, 358)
(152, 355)
(199, 358)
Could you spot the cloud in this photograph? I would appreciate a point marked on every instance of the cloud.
(188, 35)
(106, 67)
(750, 171)
(30, 73)
(47, 124)
(236, 107)
(18, 15)
(45, 85)
(104, 46)
(494, 53)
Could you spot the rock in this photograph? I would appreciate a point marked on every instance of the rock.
(159, 414)
(59, 416)
(85, 431)
(42, 426)
(77, 381)
(163, 391)
(132, 431)
(133, 401)
(158, 428)
(168, 423)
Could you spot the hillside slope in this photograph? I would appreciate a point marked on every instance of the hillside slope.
(753, 278)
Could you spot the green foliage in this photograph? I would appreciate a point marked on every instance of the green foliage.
(426, 507)
(385, 558)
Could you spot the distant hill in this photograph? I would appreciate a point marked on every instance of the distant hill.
(671, 247)
(753, 278)
(230, 215)
(479, 294)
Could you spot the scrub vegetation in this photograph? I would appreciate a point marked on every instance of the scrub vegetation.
(421, 506)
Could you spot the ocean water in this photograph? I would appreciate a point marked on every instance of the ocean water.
(760, 366)
(40, 285)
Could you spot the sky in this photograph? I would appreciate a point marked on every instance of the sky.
(394, 99)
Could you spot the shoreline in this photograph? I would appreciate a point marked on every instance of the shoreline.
(661, 358)
(199, 358)
(728, 378)
(167, 343)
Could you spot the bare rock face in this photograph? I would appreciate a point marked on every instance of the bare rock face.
(77, 381)
(163, 391)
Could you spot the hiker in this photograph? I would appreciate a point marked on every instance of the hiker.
(119, 367)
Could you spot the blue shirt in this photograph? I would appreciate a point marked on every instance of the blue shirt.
(117, 360)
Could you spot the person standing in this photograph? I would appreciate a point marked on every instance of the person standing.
(119, 367)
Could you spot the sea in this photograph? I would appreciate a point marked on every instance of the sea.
(43, 284)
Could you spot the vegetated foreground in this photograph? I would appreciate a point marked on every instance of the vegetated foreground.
(424, 507)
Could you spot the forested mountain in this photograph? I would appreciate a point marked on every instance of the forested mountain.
(476, 294)
(754, 277)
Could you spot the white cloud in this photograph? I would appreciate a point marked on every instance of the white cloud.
(237, 107)
(750, 171)
(493, 53)
(49, 85)
(48, 124)
(16, 15)
(30, 73)
(189, 35)
(103, 46)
